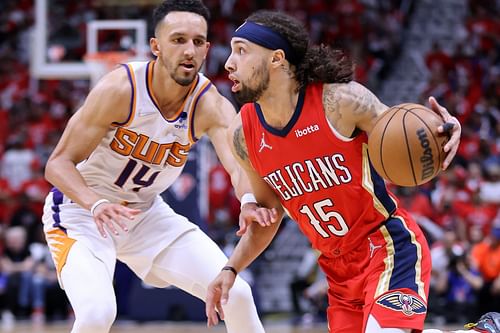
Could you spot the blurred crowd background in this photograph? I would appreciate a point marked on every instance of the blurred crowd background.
(404, 51)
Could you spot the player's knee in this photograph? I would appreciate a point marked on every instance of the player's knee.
(240, 294)
(95, 318)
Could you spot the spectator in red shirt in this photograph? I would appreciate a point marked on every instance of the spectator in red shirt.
(438, 60)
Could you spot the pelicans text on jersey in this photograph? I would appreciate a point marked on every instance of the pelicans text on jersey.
(324, 180)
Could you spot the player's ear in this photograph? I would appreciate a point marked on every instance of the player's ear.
(206, 52)
(278, 57)
(155, 46)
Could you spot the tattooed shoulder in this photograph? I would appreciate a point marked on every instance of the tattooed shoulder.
(331, 103)
(351, 100)
(239, 143)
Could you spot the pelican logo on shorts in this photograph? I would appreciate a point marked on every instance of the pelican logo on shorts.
(426, 159)
(398, 301)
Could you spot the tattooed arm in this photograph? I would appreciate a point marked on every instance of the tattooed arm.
(258, 236)
(254, 241)
(239, 146)
(349, 106)
(264, 194)
(213, 117)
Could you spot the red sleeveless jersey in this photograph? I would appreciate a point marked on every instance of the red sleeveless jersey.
(324, 180)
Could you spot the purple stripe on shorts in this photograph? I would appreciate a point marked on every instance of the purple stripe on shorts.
(57, 199)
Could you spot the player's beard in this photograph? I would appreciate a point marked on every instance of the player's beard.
(182, 78)
(247, 94)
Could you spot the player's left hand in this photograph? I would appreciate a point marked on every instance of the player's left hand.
(452, 127)
(217, 296)
(251, 212)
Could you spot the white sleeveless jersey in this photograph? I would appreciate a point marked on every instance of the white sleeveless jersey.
(141, 158)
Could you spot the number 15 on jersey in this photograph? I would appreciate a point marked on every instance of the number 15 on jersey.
(330, 223)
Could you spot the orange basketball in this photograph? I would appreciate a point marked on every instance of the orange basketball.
(404, 145)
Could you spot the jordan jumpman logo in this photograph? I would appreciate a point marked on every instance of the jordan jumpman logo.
(263, 144)
(373, 247)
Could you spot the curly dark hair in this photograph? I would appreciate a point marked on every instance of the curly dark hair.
(167, 6)
(316, 63)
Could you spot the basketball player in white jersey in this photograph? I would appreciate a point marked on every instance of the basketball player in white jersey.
(125, 145)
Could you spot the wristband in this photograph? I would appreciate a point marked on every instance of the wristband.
(97, 203)
(247, 198)
(229, 268)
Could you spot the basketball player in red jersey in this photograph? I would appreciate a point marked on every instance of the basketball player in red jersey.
(302, 138)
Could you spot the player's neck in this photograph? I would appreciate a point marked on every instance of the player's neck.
(278, 103)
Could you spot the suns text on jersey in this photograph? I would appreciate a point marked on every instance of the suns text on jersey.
(127, 142)
(310, 175)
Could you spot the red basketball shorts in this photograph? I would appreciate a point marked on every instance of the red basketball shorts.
(386, 276)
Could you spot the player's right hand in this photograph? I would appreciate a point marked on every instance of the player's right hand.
(217, 296)
(451, 127)
(251, 212)
(108, 214)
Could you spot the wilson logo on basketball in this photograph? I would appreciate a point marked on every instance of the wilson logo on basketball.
(427, 159)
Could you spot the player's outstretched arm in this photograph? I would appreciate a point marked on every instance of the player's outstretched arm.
(269, 209)
(254, 240)
(105, 104)
(214, 117)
